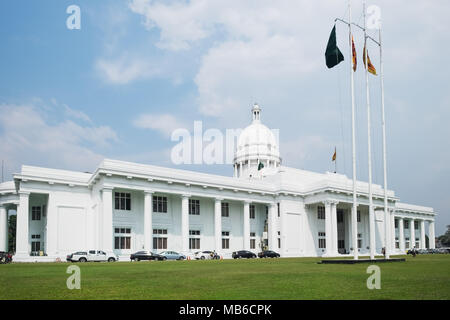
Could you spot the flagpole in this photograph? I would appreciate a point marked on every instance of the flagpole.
(387, 226)
(369, 147)
(354, 219)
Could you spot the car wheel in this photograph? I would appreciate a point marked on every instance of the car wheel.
(137, 259)
(164, 259)
(82, 260)
(111, 260)
(202, 257)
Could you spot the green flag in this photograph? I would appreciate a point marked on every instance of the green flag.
(333, 55)
(260, 166)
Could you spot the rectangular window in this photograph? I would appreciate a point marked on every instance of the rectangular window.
(36, 213)
(122, 201)
(252, 243)
(396, 223)
(252, 211)
(406, 224)
(122, 238)
(397, 243)
(278, 208)
(194, 207)
(225, 240)
(159, 204)
(35, 246)
(340, 215)
(279, 243)
(341, 244)
(359, 240)
(194, 239)
(194, 243)
(322, 241)
(225, 209)
(321, 212)
(416, 225)
(159, 243)
(358, 216)
(406, 243)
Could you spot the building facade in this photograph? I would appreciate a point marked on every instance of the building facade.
(125, 207)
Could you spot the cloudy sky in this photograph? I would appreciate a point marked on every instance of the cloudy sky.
(137, 70)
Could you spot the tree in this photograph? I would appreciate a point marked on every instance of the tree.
(12, 233)
(445, 238)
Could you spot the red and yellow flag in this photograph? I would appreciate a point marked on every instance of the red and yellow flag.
(354, 55)
(370, 66)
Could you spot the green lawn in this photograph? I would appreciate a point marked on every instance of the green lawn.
(423, 277)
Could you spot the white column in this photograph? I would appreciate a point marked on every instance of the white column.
(246, 237)
(22, 243)
(422, 235)
(107, 244)
(387, 232)
(401, 234)
(51, 246)
(3, 229)
(185, 223)
(412, 234)
(240, 169)
(148, 220)
(372, 242)
(272, 232)
(218, 224)
(328, 229)
(431, 234)
(334, 228)
(235, 170)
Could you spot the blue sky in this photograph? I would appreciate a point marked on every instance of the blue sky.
(68, 98)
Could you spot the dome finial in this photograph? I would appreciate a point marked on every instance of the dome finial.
(256, 110)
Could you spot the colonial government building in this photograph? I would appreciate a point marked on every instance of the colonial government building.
(125, 207)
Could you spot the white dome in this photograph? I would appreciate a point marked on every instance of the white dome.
(256, 144)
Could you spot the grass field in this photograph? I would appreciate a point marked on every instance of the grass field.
(423, 277)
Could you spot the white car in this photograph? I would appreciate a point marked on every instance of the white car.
(92, 256)
(203, 255)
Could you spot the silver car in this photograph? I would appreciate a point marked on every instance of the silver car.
(172, 255)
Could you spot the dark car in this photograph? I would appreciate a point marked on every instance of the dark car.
(243, 254)
(5, 257)
(268, 254)
(146, 255)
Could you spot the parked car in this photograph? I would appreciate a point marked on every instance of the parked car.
(243, 254)
(172, 255)
(146, 255)
(268, 254)
(5, 257)
(202, 255)
(92, 256)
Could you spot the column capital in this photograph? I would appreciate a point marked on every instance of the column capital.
(218, 199)
(24, 193)
(148, 192)
(330, 202)
(107, 188)
(185, 196)
(247, 202)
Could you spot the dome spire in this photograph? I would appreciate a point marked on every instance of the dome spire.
(256, 110)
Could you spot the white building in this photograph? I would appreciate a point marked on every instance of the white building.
(125, 207)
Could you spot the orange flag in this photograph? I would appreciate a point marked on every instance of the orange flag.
(354, 55)
(370, 66)
(334, 155)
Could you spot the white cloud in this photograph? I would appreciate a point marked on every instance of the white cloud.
(28, 137)
(163, 123)
(125, 69)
